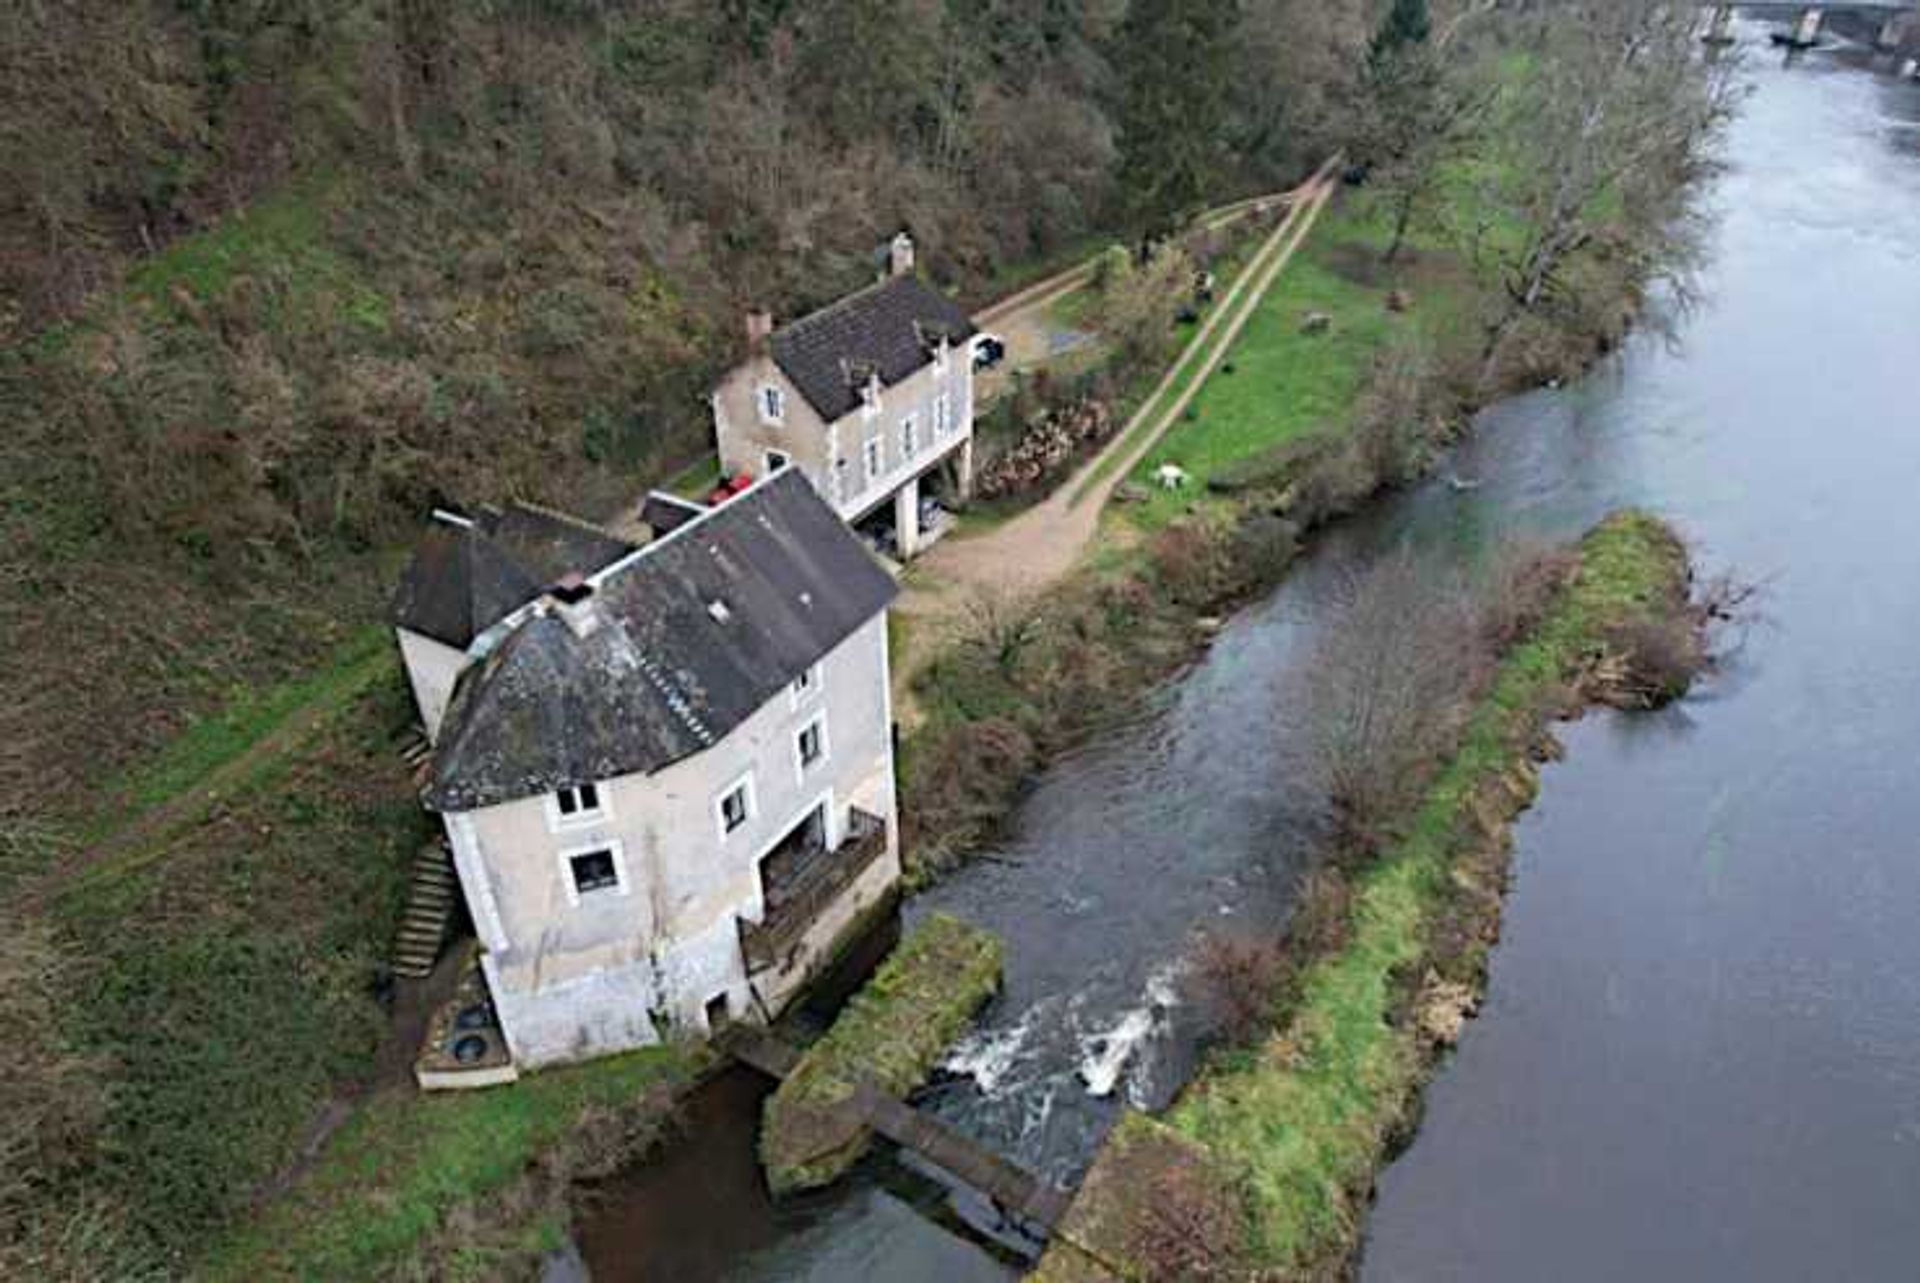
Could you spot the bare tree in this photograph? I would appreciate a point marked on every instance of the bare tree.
(1388, 686)
(1421, 114)
(1601, 137)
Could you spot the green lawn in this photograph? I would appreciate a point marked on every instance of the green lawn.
(1278, 383)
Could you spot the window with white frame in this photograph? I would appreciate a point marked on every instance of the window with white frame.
(873, 459)
(590, 871)
(593, 870)
(810, 745)
(578, 804)
(870, 397)
(940, 356)
(773, 404)
(734, 807)
(942, 414)
(909, 430)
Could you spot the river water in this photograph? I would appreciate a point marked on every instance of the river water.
(1700, 1054)
(1701, 1050)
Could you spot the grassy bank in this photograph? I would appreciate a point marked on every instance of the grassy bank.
(892, 1033)
(1299, 1122)
(464, 1185)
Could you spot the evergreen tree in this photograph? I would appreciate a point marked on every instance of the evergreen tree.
(1405, 24)
(1175, 58)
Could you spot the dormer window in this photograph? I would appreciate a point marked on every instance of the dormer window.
(940, 356)
(773, 404)
(870, 396)
(576, 805)
(806, 685)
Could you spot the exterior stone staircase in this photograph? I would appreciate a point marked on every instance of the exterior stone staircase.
(432, 895)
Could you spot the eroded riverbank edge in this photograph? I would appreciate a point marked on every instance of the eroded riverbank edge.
(1264, 1164)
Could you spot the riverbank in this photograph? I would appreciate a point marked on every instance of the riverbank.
(1287, 1133)
(1304, 421)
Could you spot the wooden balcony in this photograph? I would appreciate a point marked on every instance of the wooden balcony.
(802, 882)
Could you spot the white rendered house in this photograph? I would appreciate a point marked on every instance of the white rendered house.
(666, 779)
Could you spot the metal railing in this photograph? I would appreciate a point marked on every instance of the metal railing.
(817, 882)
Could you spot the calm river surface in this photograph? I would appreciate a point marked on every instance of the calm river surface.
(1700, 1055)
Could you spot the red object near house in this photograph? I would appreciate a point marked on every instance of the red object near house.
(727, 489)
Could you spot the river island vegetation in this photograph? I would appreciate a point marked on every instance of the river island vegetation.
(1379, 971)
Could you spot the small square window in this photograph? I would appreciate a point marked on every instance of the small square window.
(806, 683)
(812, 744)
(773, 404)
(578, 802)
(593, 871)
(735, 807)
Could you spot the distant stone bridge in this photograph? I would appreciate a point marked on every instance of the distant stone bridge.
(1899, 20)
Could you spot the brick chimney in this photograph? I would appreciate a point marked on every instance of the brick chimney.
(759, 328)
(900, 255)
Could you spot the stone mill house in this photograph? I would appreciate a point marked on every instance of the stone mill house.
(665, 769)
(871, 398)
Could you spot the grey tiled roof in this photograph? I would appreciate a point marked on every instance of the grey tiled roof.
(889, 328)
(463, 579)
(662, 672)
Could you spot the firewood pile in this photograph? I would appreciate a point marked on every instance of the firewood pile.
(1051, 441)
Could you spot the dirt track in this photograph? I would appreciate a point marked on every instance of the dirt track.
(1041, 544)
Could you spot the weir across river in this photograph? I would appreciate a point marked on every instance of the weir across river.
(1019, 1193)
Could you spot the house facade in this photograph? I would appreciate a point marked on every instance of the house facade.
(868, 397)
(667, 781)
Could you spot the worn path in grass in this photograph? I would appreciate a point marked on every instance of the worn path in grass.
(203, 768)
(1043, 543)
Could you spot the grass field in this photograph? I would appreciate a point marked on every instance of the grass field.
(1279, 383)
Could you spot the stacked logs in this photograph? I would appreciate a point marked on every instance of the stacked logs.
(1052, 440)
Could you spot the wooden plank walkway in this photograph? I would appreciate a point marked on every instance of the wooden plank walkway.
(1012, 1188)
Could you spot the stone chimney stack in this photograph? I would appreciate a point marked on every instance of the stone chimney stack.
(572, 600)
(900, 255)
(759, 328)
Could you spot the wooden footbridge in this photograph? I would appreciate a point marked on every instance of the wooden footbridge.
(1015, 1190)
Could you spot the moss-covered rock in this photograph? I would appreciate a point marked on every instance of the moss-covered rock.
(892, 1034)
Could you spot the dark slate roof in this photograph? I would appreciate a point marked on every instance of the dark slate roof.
(661, 674)
(665, 513)
(890, 329)
(463, 579)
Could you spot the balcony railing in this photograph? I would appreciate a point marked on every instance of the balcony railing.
(812, 883)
